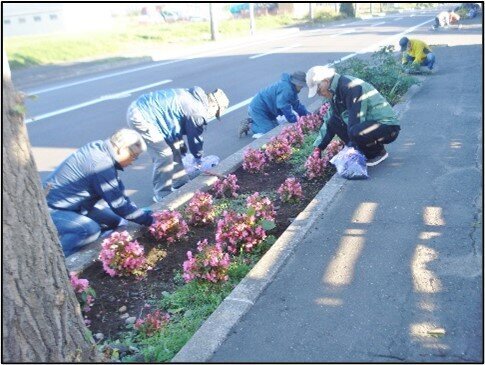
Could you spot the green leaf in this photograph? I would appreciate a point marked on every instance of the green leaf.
(251, 211)
(268, 225)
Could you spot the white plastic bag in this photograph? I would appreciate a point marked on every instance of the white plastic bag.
(207, 162)
(350, 164)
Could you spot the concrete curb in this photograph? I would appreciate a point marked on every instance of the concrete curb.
(213, 332)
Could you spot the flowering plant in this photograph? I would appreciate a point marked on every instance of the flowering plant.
(152, 323)
(122, 256)
(324, 109)
(293, 134)
(236, 231)
(211, 263)
(278, 149)
(226, 187)
(200, 209)
(309, 123)
(263, 207)
(169, 225)
(83, 289)
(315, 165)
(254, 160)
(333, 148)
(290, 190)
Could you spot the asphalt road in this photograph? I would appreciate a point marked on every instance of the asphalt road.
(66, 115)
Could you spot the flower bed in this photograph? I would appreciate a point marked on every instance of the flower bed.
(192, 258)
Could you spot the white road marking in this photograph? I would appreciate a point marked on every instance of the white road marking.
(399, 18)
(122, 94)
(232, 108)
(141, 68)
(376, 24)
(344, 32)
(278, 50)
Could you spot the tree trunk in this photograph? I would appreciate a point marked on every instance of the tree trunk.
(41, 317)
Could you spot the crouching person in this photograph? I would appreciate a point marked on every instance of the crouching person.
(358, 113)
(163, 118)
(87, 176)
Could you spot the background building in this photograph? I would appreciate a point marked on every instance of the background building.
(43, 18)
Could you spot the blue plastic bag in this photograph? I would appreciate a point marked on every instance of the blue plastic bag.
(350, 164)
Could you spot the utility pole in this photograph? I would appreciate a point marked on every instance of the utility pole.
(213, 22)
(310, 11)
(251, 18)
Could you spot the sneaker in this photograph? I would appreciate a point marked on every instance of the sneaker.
(244, 127)
(258, 135)
(378, 159)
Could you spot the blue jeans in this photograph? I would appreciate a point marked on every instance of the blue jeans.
(262, 121)
(76, 230)
(428, 61)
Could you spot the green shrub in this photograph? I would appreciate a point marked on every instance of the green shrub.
(384, 71)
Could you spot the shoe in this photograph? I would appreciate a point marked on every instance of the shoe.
(378, 159)
(258, 135)
(244, 127)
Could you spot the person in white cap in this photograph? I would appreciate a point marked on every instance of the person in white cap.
(359, 115)
(278, 99)
(162, 118)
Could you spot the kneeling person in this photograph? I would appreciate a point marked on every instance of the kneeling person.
(359, 114)
(91, 174)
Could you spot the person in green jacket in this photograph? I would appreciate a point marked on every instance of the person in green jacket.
(359, 115)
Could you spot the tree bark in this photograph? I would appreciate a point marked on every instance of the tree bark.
(41, 317)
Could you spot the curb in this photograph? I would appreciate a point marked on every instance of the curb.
(215, 329)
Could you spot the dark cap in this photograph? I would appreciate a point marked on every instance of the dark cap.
(403, 42)
(298, 78)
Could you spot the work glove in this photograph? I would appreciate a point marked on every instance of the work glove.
(182, 148)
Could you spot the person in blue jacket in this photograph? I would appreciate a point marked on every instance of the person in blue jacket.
(87, 176)
(162, 118)
(279, 99)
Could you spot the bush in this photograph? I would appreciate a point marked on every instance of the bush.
(384, 71)
(210, 264)
(226, 187)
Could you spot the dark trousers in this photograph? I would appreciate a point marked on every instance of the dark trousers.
(368, 137)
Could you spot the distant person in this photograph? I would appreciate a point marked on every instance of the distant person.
(87, 176)
(445, 18)
(279, 99)
(359, 115)
(415, 51)
(162, 118)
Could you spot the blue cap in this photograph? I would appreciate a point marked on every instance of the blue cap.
(404, 43)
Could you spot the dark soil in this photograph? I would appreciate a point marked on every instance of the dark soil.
(114, 293)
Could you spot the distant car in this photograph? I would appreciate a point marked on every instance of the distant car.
(170, 16)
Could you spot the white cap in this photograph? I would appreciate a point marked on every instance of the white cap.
(315, 75)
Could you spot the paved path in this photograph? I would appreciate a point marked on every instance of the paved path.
(392, 271)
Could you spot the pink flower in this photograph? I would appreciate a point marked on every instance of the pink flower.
(79, 285)
(263, 207)
(254, 160)
(152, 323)
(210, 263)
(278, 150)
(169, 226)
(293, 135)
(122, 256)
(315, 165)
(200, 209)
(226, 187)
(290, 190)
